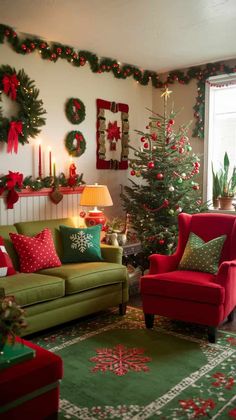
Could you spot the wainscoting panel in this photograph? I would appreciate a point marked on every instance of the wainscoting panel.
(39, 207)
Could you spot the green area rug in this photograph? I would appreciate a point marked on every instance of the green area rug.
(114, 368)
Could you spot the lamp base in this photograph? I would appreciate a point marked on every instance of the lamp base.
(95, 218)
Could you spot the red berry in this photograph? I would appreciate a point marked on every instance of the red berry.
(143, 139)
(161, 241)
(159, 176)
(171, 122)
(151, 165)
(132, 172)
(145, 145)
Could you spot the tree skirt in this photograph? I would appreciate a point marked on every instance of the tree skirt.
(114, 368)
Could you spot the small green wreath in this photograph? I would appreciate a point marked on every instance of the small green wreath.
(75, 143)
(19, 87)
(75, 110)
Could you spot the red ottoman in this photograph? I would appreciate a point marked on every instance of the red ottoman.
(30, 390)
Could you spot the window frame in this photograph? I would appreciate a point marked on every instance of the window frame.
(222, 79)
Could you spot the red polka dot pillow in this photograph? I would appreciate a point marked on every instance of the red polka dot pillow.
(36, 252)
(6, 266)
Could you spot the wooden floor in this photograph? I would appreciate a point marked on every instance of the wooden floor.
(227, 326)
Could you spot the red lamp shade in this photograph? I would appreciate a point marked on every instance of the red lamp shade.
(95, 196)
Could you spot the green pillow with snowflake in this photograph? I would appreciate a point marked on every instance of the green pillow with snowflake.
(200, 255)
(81, 244)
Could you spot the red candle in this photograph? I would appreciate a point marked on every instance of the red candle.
(40, 161)
(50, 162)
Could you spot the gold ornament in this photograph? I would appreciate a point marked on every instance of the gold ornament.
(166, 93)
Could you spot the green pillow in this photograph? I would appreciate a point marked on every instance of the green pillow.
(200, 255)
(81, 244)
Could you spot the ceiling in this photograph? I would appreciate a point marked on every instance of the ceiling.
(158, 35)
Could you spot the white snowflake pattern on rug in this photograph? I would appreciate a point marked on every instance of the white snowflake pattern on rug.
(81, 241)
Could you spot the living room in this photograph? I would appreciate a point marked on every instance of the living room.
(79, 83)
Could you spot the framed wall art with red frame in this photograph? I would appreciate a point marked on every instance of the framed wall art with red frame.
(112, 135)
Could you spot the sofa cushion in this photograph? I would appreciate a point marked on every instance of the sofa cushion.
(6, 266)
(200, 255)
(81, 244)
(85, 276)
(184, 285)
(35, 252)
(32, 228)
(33, 288)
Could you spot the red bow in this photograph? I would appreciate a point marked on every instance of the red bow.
(14, 179)
(79, 138)
(10, 84)
(12, 139)
(76, 104)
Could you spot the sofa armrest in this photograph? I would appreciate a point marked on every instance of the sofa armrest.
(111, 253)
(163, 263)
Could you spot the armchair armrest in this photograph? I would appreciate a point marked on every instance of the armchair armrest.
(163, 263)
(111, 253)
(226, 277)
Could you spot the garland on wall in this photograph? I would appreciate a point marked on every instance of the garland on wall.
(14, 182)
(20, 89)
(54, 51)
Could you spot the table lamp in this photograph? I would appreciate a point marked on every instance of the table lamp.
(95, 196)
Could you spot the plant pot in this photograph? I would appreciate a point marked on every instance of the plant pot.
(226, 203)
(216, 203)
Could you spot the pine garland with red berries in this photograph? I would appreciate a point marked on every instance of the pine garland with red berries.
(53, 51)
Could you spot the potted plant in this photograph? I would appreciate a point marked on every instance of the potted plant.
(227, 184)
(11, 320)
(216, 188)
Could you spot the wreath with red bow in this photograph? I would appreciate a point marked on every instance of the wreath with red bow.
(20, 89)
(75, 110)
(75, 143)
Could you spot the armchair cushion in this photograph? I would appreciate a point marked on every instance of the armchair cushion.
(200, 255)
(184, 285)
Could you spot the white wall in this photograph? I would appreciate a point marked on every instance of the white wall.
(58, 82)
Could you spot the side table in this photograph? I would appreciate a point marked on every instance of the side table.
(134, 260)
(132, 254)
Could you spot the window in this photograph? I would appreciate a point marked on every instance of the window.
(220, 127)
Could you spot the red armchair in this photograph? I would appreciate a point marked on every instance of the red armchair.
(193, 296)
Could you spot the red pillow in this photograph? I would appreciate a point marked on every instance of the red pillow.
(6, 266)
(36, 252)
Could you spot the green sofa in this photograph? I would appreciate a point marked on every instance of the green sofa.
(53, 296)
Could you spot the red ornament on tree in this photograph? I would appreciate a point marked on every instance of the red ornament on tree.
(159, 176)
(143, 139)
(145, 145)
(171, 122)
(132, 172)
(151, 165)
(181, 150)
(196, 187)
(161, 241)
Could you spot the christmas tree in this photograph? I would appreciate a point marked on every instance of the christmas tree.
(167, 171)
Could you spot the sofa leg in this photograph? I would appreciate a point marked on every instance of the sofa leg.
(231, 316)
(122, 308)
(149, 320)
(212, 334)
